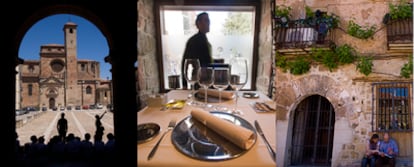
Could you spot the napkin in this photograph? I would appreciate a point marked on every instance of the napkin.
(215, 93)
(238, 135)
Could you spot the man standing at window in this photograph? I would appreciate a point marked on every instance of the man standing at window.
(198, 46)
(388, 151)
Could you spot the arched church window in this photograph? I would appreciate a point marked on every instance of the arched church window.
(31, 68)
(30, 89)
(82, 67)
(88, 90)
(93, 67)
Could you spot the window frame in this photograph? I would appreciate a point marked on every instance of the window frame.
(159, 52)
(376, 98)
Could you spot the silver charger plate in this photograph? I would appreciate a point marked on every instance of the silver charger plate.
(195, 140)
(147, 132)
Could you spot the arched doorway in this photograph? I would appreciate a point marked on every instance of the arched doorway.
(313, 130)
(52, 103)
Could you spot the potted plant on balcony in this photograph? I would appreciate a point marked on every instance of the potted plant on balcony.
(399, 23)
(282, 16)
(321, 21)
(400, 11)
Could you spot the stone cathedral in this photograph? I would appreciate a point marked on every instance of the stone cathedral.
(60, 80)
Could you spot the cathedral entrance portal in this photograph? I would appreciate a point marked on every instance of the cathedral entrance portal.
(52, 103)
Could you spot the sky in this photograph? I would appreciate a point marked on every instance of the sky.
(92, 45)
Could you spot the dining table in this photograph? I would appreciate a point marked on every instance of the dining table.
(169, 156)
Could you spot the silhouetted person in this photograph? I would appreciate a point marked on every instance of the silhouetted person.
(62, 126)
(110, 149)
(98, 118)
(98, 124)
(87, 147)
(198, 47)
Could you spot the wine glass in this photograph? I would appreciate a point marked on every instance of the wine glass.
(191, 68)
(221, 80)
(206, 79)
(239, 76)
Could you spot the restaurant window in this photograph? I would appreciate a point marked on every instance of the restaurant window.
(391, 105)
(30, 89)
(233, 32)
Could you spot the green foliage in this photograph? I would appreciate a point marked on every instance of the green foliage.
(402, 10)
(360, 32)
(238, 24)
(407, 69)
(331, 59)
(299, 66)
(309, 12)
(283, 11)
(282, 16)
(346, 54)
(317, 18)
(281, 62)
(364, 65)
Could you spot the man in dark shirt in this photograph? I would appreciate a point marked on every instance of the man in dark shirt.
(62, 126)
(198, 46)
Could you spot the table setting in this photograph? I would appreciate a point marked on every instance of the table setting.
(194, 135)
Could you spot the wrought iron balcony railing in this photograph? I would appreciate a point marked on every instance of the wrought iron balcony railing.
(400, 31)
(297, 35)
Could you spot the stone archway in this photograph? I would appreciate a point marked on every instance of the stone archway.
(120, 29)
(288, 96)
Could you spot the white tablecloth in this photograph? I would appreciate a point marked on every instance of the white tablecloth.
(168, 156)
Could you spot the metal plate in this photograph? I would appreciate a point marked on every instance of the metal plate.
(210, 99)
(147, 131)
(251, 95)
(195, 140)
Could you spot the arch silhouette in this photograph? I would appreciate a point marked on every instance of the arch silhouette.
(117, 21)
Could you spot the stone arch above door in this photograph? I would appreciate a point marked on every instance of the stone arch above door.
(290, 93)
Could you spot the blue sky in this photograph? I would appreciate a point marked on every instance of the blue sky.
(92, 45)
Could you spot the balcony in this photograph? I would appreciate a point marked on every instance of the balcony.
(400, 36)
(299, 39)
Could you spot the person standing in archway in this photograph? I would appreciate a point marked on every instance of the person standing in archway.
(62, 127)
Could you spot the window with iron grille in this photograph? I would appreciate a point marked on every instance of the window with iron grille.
(391, 104)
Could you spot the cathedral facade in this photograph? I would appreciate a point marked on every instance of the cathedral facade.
(60, 80)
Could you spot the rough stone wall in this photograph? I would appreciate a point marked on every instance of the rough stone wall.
(264, 65)
(347, 89)
(148, 82)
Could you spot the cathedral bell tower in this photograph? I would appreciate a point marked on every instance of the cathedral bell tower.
(72, 89)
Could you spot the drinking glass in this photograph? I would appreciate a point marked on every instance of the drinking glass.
(206, 79)
(239, 76)
(191, 68)
(221, 81)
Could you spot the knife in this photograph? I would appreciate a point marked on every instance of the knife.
(259, 130)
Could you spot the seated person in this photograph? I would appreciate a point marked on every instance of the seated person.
(388, 151)
(371, 151)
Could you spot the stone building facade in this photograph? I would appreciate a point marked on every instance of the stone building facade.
(326, 115)
(61, 80)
